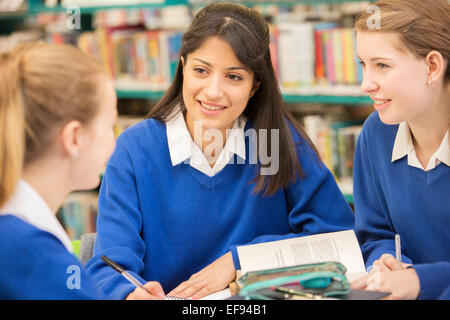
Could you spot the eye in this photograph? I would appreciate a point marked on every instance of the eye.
(234, 77)
(200, 70)
(382, 66)
(362, 64)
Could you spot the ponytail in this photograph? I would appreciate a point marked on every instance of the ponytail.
(12, 125)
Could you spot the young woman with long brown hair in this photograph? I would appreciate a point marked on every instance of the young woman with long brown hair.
(219, 162)
(402, 174)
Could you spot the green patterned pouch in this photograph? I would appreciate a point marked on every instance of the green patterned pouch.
(310, 281)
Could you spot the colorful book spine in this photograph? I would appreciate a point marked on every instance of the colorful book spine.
(337, 55)
(328, 44)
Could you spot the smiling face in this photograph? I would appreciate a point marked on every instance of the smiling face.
(216, 86)
(395, 79)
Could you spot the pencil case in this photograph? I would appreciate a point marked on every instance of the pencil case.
(310, 281)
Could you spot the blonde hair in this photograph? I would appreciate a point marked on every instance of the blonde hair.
(42, 87)
(423, 26)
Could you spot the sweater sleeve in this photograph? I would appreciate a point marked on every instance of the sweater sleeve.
(434, 279)
(119, 224)
(373, 230)
(315, 203)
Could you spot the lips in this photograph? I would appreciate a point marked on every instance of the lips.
(380, 104)
(211, 106)
(381, 101)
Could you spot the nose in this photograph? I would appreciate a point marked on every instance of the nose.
(368, 84)
(213, 89)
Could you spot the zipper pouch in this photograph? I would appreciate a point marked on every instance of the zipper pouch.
(310, 281)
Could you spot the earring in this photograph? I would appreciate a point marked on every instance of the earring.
(432, 83)
(74, 155)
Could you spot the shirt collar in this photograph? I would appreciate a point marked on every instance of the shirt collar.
(182, 147)
(443, 153)
(29, 206)
(403, 142)
(403, 146)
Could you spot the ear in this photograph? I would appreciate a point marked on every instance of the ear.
(436, 66)
(71, 138)
(182, 61)
(255, 87)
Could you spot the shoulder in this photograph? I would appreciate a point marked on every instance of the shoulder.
(26, 238)
(145, 129)
(143, 137)
(27, 250)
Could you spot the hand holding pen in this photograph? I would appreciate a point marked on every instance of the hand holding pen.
(152, 290)
(389, 274)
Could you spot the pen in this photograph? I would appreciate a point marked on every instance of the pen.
(122, 271)
(298, 293)
(398, 249)
(129, 277)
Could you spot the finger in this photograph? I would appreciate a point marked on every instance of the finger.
(380, 266)
(359, 284)
(140, 294)
(374, 282)
(155, 289)
(391, 263)
(181, 287)
(201, 293)
(192, 289)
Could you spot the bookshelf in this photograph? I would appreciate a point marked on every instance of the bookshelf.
(36, 7)
(342, 93)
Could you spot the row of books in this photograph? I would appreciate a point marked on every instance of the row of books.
(335, 140)
(170, 17)
(78, 214)
(307, 54)
(133, 53)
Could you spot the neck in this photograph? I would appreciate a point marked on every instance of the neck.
(211, 141)
(429, 129)
(47, 182)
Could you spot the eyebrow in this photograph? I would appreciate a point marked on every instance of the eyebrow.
(375, 58)
(231, 68)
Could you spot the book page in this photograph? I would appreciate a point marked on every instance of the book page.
(341, 246)
(219, 295)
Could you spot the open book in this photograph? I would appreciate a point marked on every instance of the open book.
(341, 246)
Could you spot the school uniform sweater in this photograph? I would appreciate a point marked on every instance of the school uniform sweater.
(393, 197)
(164, 223)
(35, 265)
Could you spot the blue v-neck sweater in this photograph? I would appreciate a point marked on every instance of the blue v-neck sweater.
(393, 197)
(165, 223)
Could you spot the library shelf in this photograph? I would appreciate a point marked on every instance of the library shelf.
(288, 98)
(36, 7)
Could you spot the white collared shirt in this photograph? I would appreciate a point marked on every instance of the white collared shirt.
(29, 206)
(182, 148)
(403, 145)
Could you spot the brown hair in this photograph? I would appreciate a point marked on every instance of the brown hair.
(42, 87)
(423, 26)
(248, 34)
